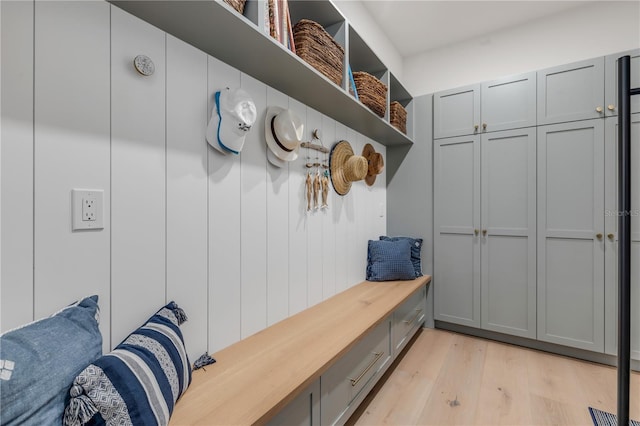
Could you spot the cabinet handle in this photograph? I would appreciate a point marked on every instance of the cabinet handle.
(484, 232)
(475, 127)
(599, 236)
(484, 126)
(415, 317)
(611, 107)
(476, 231)
(599, 110)
(610, 236)
(371, 364)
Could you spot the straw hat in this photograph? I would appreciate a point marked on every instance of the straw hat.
(346, 167)
(376, 163)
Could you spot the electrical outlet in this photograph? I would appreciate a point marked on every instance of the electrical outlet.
(87, 209)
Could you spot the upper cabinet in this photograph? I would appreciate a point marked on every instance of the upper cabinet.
(507, 103)
(456, 112)
(242, 42)
(571, 92)
(611, 81)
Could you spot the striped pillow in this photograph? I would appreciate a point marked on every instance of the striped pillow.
(137, 383)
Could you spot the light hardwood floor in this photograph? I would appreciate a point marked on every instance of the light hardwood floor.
(447, 378)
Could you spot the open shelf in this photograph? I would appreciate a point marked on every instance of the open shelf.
(217, 29)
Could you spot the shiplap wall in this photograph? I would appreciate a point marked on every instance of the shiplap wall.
(226, 237)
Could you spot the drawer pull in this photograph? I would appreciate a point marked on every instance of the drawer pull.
(375, 359)
(415, 317)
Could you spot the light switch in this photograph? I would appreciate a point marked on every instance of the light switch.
(87, 209)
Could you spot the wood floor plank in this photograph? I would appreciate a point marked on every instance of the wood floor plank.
(504, 395)
(447, 378)
(454, 399)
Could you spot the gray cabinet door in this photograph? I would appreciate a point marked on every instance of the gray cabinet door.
(509, 103)
(456, 112)
(508, 237)
(611, 230)
(611, 81)
(456, 278)
(570, 241)
(304, 410)
(571, 92)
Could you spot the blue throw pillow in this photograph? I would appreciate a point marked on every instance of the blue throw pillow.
(138, 382)
(389, 260)
(416, 247)
(39, 361)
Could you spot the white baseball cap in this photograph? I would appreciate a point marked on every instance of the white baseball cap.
(232, 117)
(283, 132)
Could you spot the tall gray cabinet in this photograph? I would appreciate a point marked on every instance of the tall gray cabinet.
(525, 202)
(484, 205)
(570, 234)
(611, 233)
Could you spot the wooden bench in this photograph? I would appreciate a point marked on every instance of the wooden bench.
(256, 377)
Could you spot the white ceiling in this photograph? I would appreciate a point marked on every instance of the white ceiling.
(416, 26)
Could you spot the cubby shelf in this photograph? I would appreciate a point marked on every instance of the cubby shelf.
(215, 28)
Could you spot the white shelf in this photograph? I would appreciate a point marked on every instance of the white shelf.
(218, 30)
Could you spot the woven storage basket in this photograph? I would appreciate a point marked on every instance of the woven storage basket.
(317, 48)
(236, 4)
(371, 91)
(398, 116)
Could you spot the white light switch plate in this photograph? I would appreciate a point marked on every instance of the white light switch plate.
(87, 210)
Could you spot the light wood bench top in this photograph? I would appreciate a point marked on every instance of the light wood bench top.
(255, 378)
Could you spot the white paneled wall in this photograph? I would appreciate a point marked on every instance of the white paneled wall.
(16, 291)
(187, 187)
(71, 150)
(277, 230)
(138, 174)
(227, 237)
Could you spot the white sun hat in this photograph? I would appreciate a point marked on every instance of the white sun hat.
(233, 115)
(283, 132)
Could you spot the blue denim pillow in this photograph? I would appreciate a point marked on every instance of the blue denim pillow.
(39, 361)
(416, 247)
(389, 260)
(138, 382)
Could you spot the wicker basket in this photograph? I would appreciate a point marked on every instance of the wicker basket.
(371, 91)
(236, 4)
(398, 116)
(317, 48)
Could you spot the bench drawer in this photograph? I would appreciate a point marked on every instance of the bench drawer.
(407, 318)
(342, 385)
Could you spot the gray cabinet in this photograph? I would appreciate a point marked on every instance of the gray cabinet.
(456, 112)
(485, 198)
(456, 278)
(407, 319)
(506, 103)
(347, 382)
(508, 232)
(571, 92)
(570, 234)
(302, 411)
(611, 81)
(611, 231)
